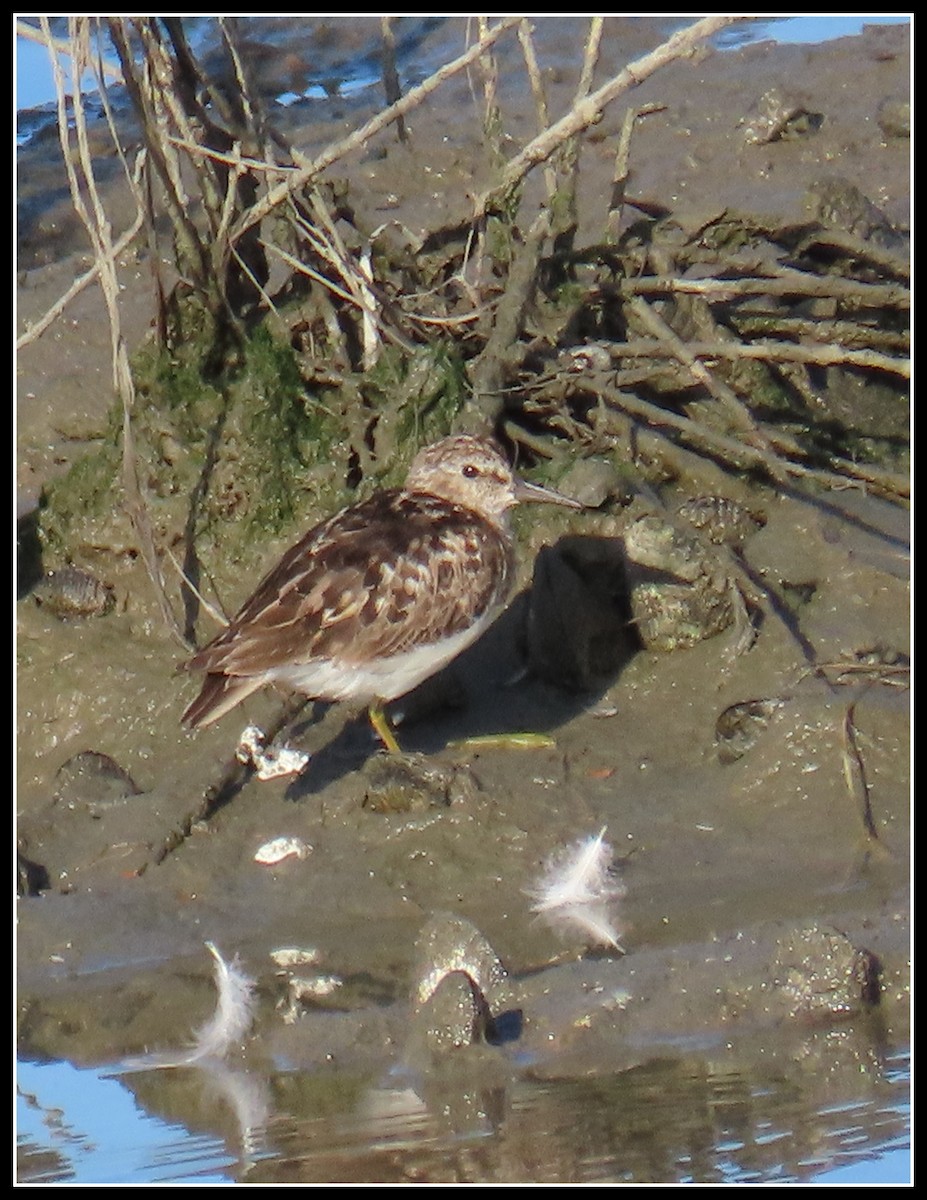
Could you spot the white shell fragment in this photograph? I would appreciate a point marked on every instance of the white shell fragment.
(304, 992)
(279, 848)
(294, 956)
(316, 986)
(268, 762)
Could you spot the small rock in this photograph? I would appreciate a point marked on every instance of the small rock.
(776, 116)
(93, 781)
(894, 118)
(71, 592)
(821, 974)
(680, 591)
(723, 521)
(839, 204)
(592, 482)
(452, 944)
(740, 725)
(455, 1014)
(865, 405)
(280, 848)
(408, 783)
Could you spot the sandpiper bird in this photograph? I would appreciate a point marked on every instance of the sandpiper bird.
(379, 597)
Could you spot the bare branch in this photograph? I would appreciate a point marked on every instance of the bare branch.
(586, 112)
(309, 169)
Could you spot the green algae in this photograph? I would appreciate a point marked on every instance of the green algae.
(230, 459)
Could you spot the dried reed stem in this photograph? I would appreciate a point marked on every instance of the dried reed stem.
(96, 222)
(540, 99)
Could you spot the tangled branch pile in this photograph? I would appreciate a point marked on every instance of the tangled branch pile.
(292, 333)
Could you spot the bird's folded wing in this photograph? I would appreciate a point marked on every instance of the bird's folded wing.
(352, 591)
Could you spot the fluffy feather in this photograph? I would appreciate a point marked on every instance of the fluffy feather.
(229, 1023)
(576, 890)
(234, 1011)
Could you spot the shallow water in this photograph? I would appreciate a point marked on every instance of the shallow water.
(659, 1124)
(35, 85)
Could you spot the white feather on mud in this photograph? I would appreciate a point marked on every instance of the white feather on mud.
(577, 891)
(228, 1025)
(234, 1010)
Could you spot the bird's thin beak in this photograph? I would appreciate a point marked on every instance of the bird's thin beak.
(525, 491)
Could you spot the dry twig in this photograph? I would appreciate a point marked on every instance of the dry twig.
(589, 110)
(821, 356)
(854, 772)
(784, 282)
(742, 456)
(308, 170)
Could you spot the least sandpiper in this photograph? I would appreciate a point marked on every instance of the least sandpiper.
(381, 596)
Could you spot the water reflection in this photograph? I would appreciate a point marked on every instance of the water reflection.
(78, 1126)
(681, 1120)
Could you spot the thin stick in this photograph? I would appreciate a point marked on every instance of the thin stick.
(391, 87)
(487, 371)
(851, 334)
(37, 328)
(785, 352)
(588, 111)
(311, 273)
(98, 229)
(681, 350)
(854, 772)
(621, 169)
(308, 169)
(783, 282)
(190, 251)
(492, 120)
(217, 615)
(540, 97)
(329, 245)
(250, 164)
(566, 220)
(741, 455)
(590, 57)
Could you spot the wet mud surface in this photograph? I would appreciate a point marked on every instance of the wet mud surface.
(759, 812)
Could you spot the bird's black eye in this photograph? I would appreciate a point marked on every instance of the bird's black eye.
(470, 471)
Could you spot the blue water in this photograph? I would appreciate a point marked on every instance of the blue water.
(35, 86)
(77, 1126)
(81, 1127)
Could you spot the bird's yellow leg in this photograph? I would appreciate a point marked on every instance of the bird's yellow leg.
(381, 728)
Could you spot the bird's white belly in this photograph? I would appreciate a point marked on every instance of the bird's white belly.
(380, 678)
